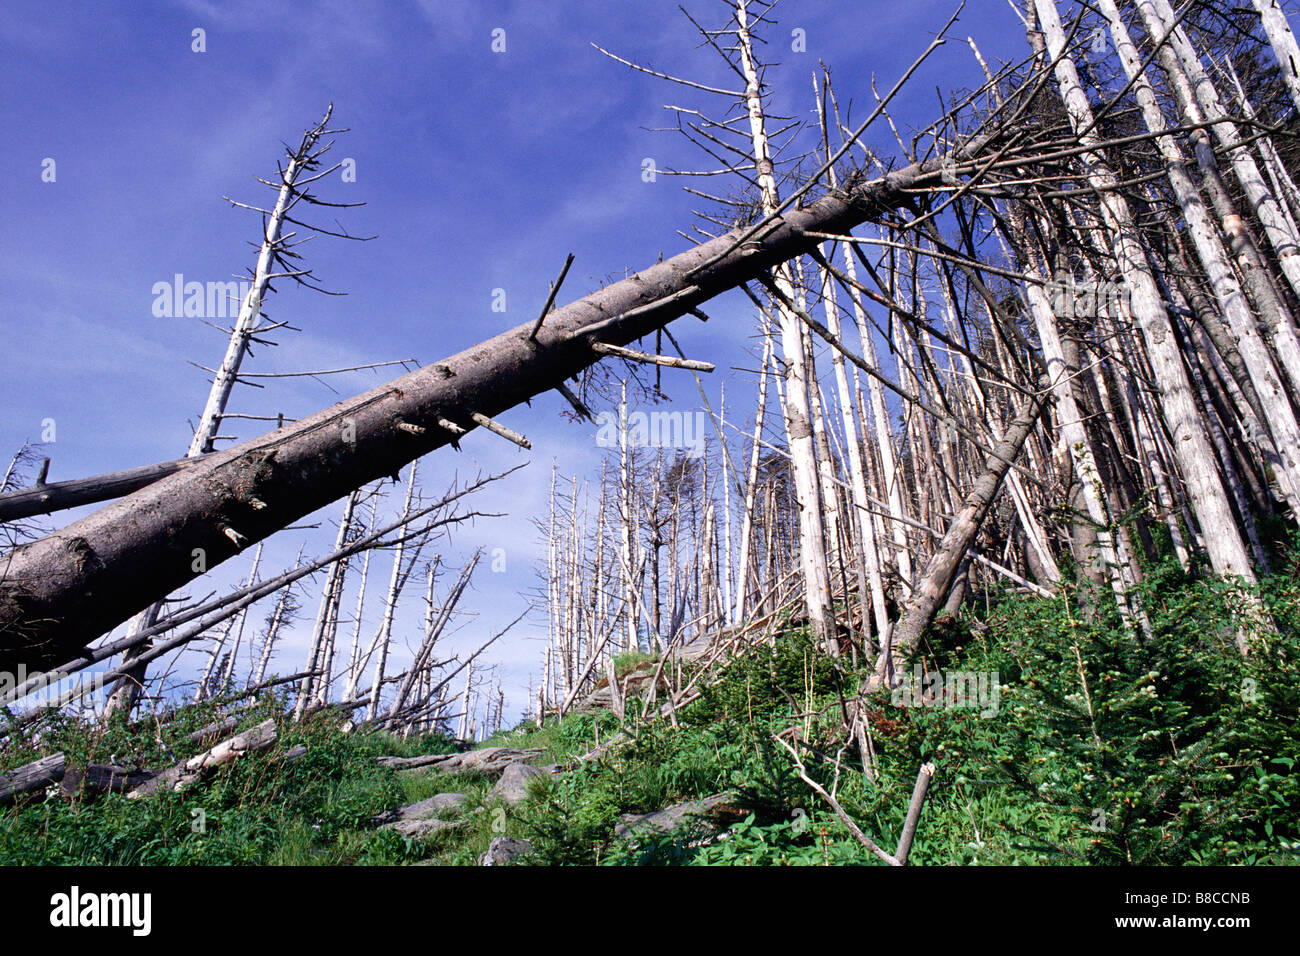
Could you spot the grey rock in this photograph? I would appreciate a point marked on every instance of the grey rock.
(423, 809)
(447, 801)
(670, 818)
(512, 788)
(503, 850)
(423, 828)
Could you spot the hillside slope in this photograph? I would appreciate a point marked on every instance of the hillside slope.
(1055, 741)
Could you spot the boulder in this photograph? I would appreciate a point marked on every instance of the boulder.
(503, 850)
(423, 809)
(423, 828)
(715, 812)
(512, 788)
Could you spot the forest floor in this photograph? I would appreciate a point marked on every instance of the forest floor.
(1058, 738)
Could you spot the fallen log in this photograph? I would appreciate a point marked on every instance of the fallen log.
(490, 760)
(941, 570)
(31, 777)
(44, 498)
(188, 772)
(62, 591)
(215, 730)
(97, 779)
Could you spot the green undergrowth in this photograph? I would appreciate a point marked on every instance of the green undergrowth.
(1091, 744)
(260, 809)
(1080, 741)
(628, 661)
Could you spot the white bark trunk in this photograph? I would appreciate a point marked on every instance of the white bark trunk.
(883, 431)
(1222, 537)
(1214, 260)
(327, 614)
(384, 637)
(1160, 17)
(751, 485)
(798, 406)
(1279, 34)
(868, 556)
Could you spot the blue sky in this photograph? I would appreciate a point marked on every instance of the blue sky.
(481, 171)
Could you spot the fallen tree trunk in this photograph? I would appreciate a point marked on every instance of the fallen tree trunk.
(215, 730)
(190, 771)
(942, 567)
(98, 779)
(43, 498)
(65, 589)
(31, 777)
(490, 760)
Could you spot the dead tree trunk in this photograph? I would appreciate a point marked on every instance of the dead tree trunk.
(798, 404)
(1195, 453)
(1279, 34)
(62, 591)
(942, 568)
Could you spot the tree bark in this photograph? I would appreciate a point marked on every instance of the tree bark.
(942, 567)
(1279, 34)
(798, 407)
(67, 588)
(42, 499)
(1195, 453)
(31, 777)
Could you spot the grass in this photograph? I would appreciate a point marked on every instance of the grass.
(628, 661)
(1103, 750)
